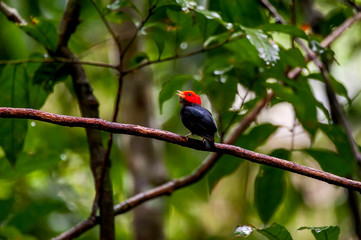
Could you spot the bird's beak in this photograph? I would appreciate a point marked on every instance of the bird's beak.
(180, 94)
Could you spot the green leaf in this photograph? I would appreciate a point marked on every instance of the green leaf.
(43, 31)
(49, 74)
(158, 35)
(244, 59)
(289, 29)
(7, 171)
(181, 26)
(6, 208)
(323, 233)
(37, 93)
(273, 232)
(28, 163)
(326, 53)
(225, 166)
(269, 188)
(117, 4)
(257, 136)
(216, 39)
(299, 94)
(222, 38)
(247, 14)
(268, 51)
(338, 135)
(169, 88)
(220, 83)
(13, 132)
(190, 5)
(293, 57)
(338, 87)
(117, 17)
(331, 161)
(13, 80)
(228, 164)
(138, 59)
(36, 212)
(212, 15)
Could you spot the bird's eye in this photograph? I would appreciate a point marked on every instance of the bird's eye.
(189, 94)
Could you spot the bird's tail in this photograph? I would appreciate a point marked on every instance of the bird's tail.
(209, 143)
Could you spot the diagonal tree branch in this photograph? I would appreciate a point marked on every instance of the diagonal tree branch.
(325, 74)
(313, 56)
(327, 41)
(89, 223)
(169, 187)
(11, 14)
(201, 171)
(142, 24)
(337, 112)
(136, 130)
(353, 4)
(89, 107)
(177, 56)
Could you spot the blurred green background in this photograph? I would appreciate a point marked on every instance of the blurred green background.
(46, 186)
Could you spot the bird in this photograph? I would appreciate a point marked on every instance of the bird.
(196, 118)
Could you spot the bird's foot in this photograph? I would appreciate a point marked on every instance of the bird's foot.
(188, 135)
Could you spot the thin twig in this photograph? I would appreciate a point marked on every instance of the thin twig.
(56, 59)
(353, 4)
(338, 31)
(313, 56)
(141, 25)
(107, 25)
(327, 41)
(189, 54)
(339, 115)
(235, 113)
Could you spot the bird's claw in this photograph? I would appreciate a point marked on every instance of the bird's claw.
(188, 135)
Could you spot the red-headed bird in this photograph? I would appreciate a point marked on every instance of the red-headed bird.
(196, 118)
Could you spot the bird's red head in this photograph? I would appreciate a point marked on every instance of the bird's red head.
(189, 97)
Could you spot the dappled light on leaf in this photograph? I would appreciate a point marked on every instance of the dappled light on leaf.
(243, 231)
(267, 50)
(324, 233)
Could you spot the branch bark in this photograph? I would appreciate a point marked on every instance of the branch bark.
(11, 14)
(89, 108)
(136, 130)
(200, 172)
(154, 192)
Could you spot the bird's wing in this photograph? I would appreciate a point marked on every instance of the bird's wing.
(198, 120)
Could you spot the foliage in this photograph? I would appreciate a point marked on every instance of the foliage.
(233, 53)
(278, 232)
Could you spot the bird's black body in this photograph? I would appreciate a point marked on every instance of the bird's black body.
(199, 121)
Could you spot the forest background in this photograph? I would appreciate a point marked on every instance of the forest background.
(280, 77)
